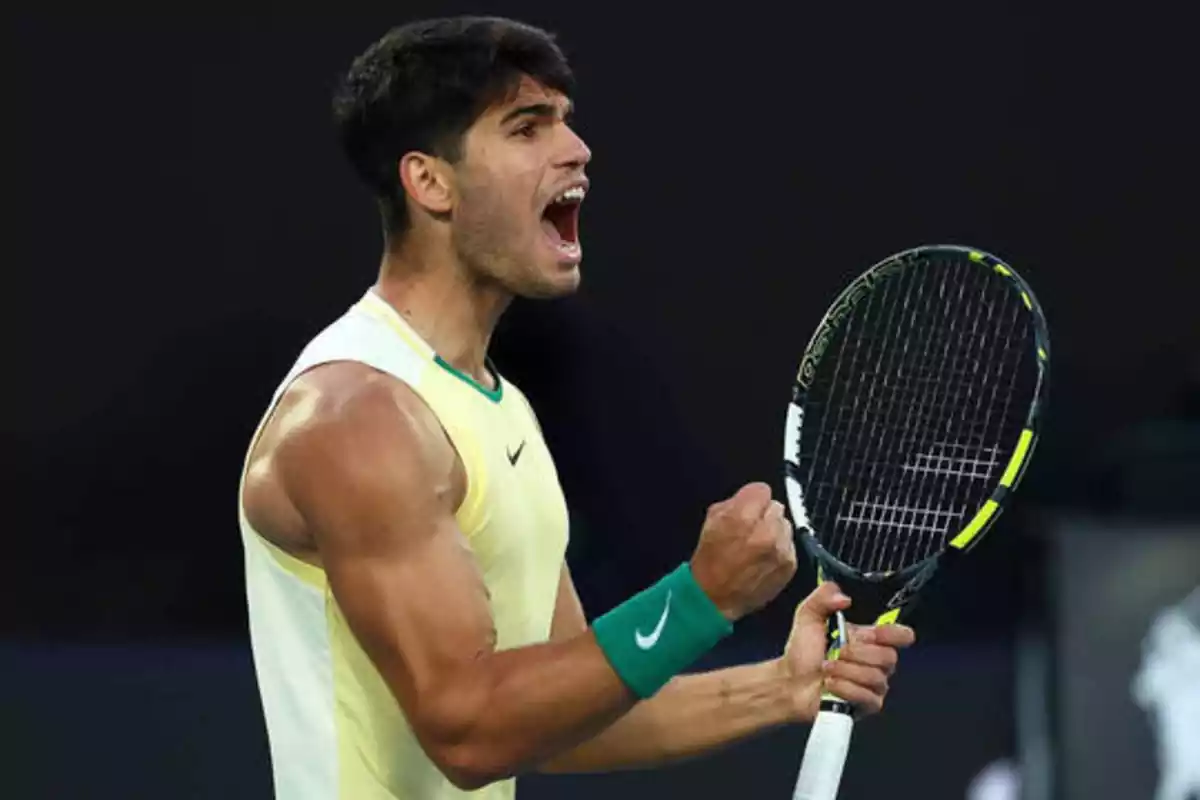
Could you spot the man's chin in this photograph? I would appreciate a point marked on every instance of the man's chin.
(564, 281)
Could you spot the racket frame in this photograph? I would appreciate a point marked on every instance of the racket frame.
(828, 743)
(913, 577)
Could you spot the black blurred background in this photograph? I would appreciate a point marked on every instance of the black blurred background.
(184, 223)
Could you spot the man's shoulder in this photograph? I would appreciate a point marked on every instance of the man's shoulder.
(352, 405)
(345, 387)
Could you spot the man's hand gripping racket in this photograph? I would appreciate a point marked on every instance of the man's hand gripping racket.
(913, 416)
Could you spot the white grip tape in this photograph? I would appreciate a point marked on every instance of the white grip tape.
(824, 757)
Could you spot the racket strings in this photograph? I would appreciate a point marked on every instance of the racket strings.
(864, 407)
(909, 416)
(978, 434)
(873, 413)
(860, 518)
(824, 491)
(954, 457)
(975, 464)
(921, 519)
(906, 360)
(1018, 329)
(935, 453)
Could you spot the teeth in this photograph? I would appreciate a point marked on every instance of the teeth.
(574, 195)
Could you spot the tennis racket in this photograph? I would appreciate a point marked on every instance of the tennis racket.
(913, 416)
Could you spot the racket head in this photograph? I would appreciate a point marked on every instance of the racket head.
(918, 399)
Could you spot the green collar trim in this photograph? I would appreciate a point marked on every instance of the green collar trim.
(494, 395)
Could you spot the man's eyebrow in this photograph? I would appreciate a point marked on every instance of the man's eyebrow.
(536, 110)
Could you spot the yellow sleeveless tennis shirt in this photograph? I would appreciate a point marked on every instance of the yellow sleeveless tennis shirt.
(335, 730)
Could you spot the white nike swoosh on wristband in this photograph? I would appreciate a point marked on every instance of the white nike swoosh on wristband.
(646, 642)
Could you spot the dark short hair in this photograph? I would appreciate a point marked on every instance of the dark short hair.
(423, 84)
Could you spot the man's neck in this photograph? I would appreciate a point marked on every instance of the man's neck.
(454, 314)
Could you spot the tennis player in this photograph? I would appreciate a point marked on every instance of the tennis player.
(415, 631)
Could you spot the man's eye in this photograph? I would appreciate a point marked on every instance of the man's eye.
(527, 130)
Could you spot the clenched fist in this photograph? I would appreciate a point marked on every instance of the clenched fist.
(746, 554)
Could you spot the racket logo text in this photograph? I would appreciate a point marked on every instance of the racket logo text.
(863, 286)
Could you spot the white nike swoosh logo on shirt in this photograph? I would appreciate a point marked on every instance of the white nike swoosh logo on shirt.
(646, 642)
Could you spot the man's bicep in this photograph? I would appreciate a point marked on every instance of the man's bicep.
(373, 484)
(569, 618)
(419, 613)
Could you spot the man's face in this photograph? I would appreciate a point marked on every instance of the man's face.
(520, 182)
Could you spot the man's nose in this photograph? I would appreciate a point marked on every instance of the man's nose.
(575, 151)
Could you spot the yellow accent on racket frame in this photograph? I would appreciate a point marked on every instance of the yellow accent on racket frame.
(975, 525)
(1018, 458)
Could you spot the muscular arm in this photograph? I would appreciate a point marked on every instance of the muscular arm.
(691, 715)
(374, 478)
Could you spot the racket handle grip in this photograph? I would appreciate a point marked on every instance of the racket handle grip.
(824, 757)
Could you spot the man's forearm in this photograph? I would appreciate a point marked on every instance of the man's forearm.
(691, 715)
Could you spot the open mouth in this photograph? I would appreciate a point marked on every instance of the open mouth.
(560, 221)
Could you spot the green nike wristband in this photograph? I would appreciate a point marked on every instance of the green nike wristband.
(658, 633)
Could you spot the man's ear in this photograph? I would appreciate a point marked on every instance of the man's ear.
(428, 181)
